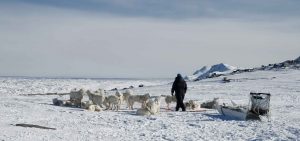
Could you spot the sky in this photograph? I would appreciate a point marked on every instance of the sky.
(143, 38)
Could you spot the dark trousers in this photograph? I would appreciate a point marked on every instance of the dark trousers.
(180, 103)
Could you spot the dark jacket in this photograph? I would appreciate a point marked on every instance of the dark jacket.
(179, 86)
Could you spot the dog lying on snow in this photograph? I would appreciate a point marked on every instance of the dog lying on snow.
(97, 97)
(138, 98)
(192, 105)
(152, 107)
(112, 102)
(89, 105)
(210, 104)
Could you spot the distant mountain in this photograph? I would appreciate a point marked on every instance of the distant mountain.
(213, 71)
(202, 70)
(224, 69)
(198, 73)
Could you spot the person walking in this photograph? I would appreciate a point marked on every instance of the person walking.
(179, 87)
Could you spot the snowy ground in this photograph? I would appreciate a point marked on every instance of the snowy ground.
(78, 124)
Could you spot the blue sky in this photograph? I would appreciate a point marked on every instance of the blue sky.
(142, 38)
(178, 8)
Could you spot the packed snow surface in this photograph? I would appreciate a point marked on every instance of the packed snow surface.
(12, 85)
(79, 124)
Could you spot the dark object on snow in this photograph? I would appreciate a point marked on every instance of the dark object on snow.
(114, 89)
(46, 94)
(179, 87)
(131, 87)
(141, 85)
(34, 126)
(57, 102)
(225, 80)
(213, 75)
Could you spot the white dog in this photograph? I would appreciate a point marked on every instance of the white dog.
(76, 96)
(120, 95)
(97, 97)
(137, 98)
(210, 104)
(112, 102)
(126, 95)
(152, 107)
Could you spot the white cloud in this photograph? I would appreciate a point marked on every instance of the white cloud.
(45, 41)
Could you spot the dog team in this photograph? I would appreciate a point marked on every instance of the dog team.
(149, 105)
(99, 100)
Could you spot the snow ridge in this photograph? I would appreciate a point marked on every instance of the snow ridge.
(225, 69)
(207, 72)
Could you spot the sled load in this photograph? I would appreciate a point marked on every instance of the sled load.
(259, 105)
